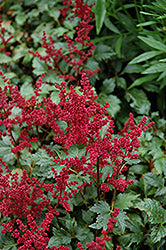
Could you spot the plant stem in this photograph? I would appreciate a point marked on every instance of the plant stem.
(98, 179)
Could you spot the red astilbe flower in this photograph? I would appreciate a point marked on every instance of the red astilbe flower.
(18, 201)
(84, 118)
(79, 48)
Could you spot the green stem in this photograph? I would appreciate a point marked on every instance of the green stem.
(98, 179)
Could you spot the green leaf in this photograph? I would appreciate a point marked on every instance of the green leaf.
(140, 102)
(121, 223)
(160, 191)
(103, 52)
(121, 82)
(7, 242)
(5, 59)
(153, 43)
(156, 213)
(157, 68)
(101, 221)
(21, 18)
(61, 237)
(118, 46)
(107, 170)
(157, 233)
(101, 207)
(110, 25)
(125, 200)
(55, 13)
(87, 216)
(153, 179)
(19, 171)
(130, 69)
(159, 164)
(41, 158)
(10, 75)
(100, 11)
(60, 31)
(103, 211)
(108, 86)
(55, 97)
(145, 56)
(146, 23)
(26, 90)
(39, 67)
(114, 102)
(5, 150)
(141, 80)
(84, 235)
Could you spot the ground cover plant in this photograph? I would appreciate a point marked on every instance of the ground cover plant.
(82, 142)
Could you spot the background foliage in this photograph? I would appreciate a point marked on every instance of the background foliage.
(130, 51)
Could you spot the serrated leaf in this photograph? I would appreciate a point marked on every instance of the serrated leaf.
(156, 213)
(160, 191)
(84, 235)
(60, 31)
(71, 225)
(158, 164)
(121, 222)
(100, 11)
(153, 43)
(103, 130)
(157, 233)
(102, 207)
(26, 90)
(145, 56)
(41, 158)
(103, 52)
(125, 200)
(121, 82)
(7, 242)
(61, 237)
(153, 179)
(87, 216)
(40, 67)
(101, 221)
(55, 97)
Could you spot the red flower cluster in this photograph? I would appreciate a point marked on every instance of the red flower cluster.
(79, 48)
(84, 118)
(19, 202)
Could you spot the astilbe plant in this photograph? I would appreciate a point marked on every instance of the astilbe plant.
(84, 119)
(24, 199)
